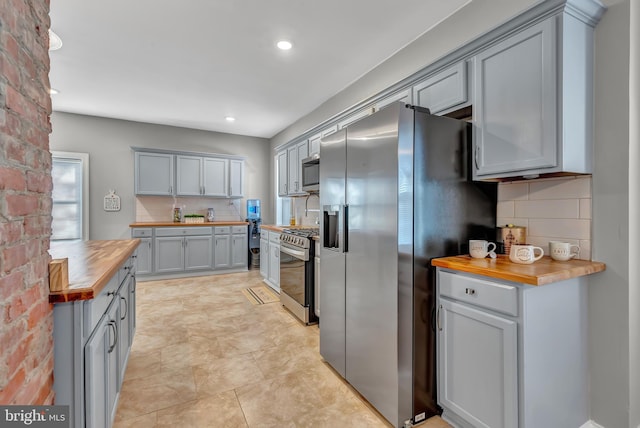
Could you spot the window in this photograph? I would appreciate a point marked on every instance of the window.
(70, 175)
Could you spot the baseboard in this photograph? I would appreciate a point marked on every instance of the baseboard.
(156, 277)
(591, 424)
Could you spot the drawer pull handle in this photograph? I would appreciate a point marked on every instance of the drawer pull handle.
(470, 291)
(438, 318)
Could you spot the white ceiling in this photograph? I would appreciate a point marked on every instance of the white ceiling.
(190, 63)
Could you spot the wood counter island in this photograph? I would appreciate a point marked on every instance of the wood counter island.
(91, 265)
(94, 322)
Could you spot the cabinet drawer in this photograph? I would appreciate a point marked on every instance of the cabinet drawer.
(490, 295)
(142, 232)
(183, 231)
(222, 230)
(239, 229)
(95, 308)
(274, 237)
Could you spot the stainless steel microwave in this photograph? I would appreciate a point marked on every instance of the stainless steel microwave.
(311, 173)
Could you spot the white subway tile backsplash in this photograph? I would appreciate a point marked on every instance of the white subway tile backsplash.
(560, 188)
(585, 208)
(160, 208)
(548, 208)
(513, 191)
(560, 228)
(505, 209)
(552, 209)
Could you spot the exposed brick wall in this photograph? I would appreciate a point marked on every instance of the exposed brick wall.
(26, 317)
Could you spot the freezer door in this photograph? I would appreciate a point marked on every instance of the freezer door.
(332, 256)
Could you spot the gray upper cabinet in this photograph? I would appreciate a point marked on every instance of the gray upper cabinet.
(153, 173)
(405, 96)
(533, 98)
(444, 90)
(355, 117)
(196, 174)
(282, 173)
(236, 178)
(314, 141)
(215, 173)
(515, 103)
(189, 176)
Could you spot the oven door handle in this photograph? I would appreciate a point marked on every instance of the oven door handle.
(298, 254)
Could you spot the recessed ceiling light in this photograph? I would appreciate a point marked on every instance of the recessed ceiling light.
(53, 91)
(284, 45)
(55, 42)
(230, 119)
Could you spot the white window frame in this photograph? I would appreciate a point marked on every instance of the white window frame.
(84, 160)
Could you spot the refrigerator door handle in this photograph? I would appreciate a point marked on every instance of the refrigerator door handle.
(345, 228)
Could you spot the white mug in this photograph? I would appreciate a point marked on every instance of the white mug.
(563, 251)
(479, 249)
(525, 254)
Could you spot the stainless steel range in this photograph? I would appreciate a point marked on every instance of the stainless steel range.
(297, 254)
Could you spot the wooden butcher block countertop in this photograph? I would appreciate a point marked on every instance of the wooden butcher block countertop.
(91, 265)
(273, 227)
(544, 271)
(176, 224)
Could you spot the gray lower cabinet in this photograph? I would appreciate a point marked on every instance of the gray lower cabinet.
(274, 260)
(230, 247)
(239, 246)
(264, 254)
(172, 250)
(169, 252)
(92, 341)
(179, 249)
(222, 248)
(511, 355)
(144, 256)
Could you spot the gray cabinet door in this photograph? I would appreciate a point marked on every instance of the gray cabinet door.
(236, 179)
(515, 103)
(189, 176)
(239, 250)
(274, 265)
(283, 174)
(222, 249)
(477, 366)
(198, 251)
(443, 90)
(95, 374)
(264, 258)
(153, 174)
(215, 177)
(144, 259)
(132, 309)
(293, 170)
(403, 96)
(124, 329)
(169, 254)
(113, 361)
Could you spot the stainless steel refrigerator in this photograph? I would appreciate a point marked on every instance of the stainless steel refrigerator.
(395, 192)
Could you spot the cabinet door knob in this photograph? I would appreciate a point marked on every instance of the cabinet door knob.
(470, 291)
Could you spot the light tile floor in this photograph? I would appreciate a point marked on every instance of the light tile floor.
(204, 356)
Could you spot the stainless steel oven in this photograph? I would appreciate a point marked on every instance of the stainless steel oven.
(297, 254)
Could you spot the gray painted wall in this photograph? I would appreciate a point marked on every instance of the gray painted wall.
(614, 319)
(108, 143)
